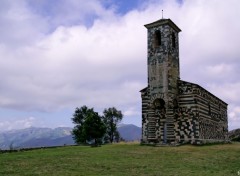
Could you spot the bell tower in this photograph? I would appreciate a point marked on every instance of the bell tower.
(176, 111)
(163, 76)
(163, 57)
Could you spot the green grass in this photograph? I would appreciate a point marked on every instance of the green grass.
(125, 159)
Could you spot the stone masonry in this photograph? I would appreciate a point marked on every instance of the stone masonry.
(176, 111)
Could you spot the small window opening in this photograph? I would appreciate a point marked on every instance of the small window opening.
(209, 109)
(173, 40)
(175, 104)
(157, 38)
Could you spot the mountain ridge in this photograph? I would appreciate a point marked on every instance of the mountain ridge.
(46, 137)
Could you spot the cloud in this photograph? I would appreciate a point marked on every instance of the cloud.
(77, 65)
(132, 112)
(18, 124)
(228, 91)
(62, 54)
(211, 32)
(18, 25)
(234, 116)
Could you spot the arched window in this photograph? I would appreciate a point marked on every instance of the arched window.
(173, 40)
(159, 103)
(157, 38)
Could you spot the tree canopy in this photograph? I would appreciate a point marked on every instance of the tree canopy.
(89, 126)
(111, 117)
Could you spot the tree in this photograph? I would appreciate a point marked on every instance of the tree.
(111, 117)
(94, 128)
(89, 126)
(79, 118)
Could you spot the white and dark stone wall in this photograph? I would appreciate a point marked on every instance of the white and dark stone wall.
(176, 111)
(202, 117)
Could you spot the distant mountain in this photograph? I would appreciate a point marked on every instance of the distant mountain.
(36, 137)
(234, 135)
(130, 132)
(45, 137)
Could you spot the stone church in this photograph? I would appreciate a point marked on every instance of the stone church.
(176, 111)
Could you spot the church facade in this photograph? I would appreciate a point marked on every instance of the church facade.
(176, 111)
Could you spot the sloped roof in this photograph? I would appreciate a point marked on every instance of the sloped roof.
(162, 22)
(203, 89)
(200, 87)
(144, 90)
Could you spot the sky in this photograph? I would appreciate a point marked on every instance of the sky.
(61, 54)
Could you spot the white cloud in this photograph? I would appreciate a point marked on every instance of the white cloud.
(218, 69)
(76, 65)
(62, 55)
(234, 116)
(17, 124)
(132, 111)
(228, 91)
(18, 25)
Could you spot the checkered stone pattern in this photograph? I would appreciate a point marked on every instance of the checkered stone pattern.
(203, 115)
(211, 129)
(186, 126)
(173, 110)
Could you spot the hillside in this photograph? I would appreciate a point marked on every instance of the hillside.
(234, 135)
(44, 137)
(124, 160)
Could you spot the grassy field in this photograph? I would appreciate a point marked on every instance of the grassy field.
(125, 159)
